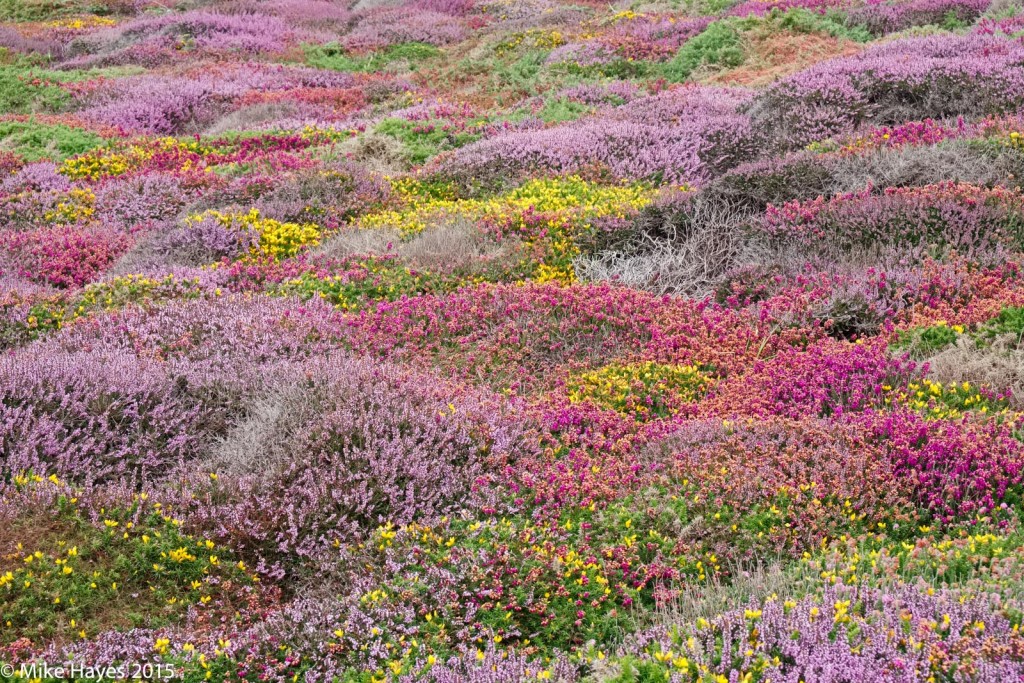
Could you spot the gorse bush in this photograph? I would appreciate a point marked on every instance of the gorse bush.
(336, 57)
(24, 91)
(37, 141)
(719, 45)
(644, 389)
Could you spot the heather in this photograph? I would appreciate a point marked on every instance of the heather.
(910, 78)
(513, 340)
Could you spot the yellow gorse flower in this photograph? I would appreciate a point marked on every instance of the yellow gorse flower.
(276, 239)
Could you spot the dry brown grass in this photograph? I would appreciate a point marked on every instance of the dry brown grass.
(999, 366)
(773, 55)
(35, 530)
(452, 245)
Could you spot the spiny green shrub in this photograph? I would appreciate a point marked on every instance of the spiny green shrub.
(719, 45)
(34, 141)
(336, 58)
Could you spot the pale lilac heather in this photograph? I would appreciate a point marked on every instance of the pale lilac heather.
(524, 14)
(153, 40)
(22, 288)
(230, 339)
(384, 26)
(680, 136)
(582, 54)
(359, 445)
(41, 176)
(208, 240)
(851, 634)
(881, 17)
(16, 41)
(330, 196)
(435, 108)
(456, 8)
(138, 199)
(157, 105)
(940, 76)
(314, 14)
(108, 648)
(93, 418)
(616, 92)
(687, 103)
(170, 104)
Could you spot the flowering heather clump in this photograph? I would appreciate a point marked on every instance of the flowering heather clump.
(227, 340)
(353, 445)
(134, 201)
(861, 632)
(882, 17)
(785, 483)
(92, 418)
(401, 341)
(67, 256)
(152, 40)
(677, 137)
(384, 26)
(514, 336)
(960, 468)
(911, 78)
(934, 220)
(170, 104)
(828, 378)
(650, 37)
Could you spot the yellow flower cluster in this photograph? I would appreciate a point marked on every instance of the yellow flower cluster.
(277, 239)
(851, 561)
(581, 198)
(571, 200)
(555, 210)
(563, 274)
(80, 23)
(80, 205)
(645, 390)
(534, 38)
(627, 15)
(941, 402)
(96, 164)
(326, 135)
(107, 162)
